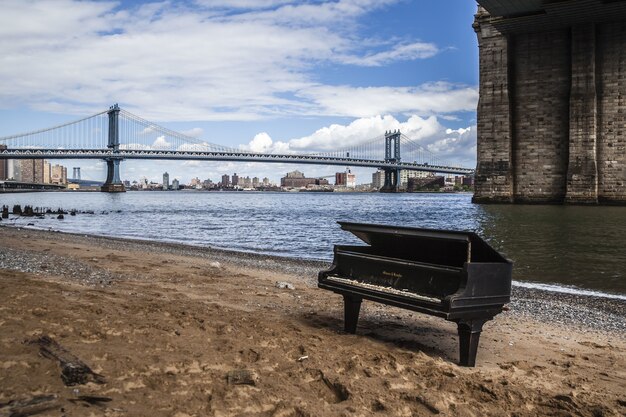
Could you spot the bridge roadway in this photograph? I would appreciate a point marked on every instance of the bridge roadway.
(223, 156)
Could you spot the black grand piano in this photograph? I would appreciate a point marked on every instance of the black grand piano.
(449, 274)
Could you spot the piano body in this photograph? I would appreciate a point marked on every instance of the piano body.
(450, 274)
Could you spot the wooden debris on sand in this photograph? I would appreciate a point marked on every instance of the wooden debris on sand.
(73, 370)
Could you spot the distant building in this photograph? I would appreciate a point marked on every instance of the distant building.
(225, 180)
(175, 184)
(468, 181)
(255, 182)
(47, 172)
(266, 182)
(207, 184)
(378, 179)
(166, 181)
(195, 183)
(296, 179)
(405, 174)
(235, 181)
(431, 183)
(345, 179)
(58, 175)
(31, 170)
(13, 169)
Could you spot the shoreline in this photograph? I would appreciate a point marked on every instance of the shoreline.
(555, 288)
(170, 327)
(575, 309)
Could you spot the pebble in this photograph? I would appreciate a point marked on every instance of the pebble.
(48, 264)
(285, 285)
(584, 313)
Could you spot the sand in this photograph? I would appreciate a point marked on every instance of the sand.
(173, 329)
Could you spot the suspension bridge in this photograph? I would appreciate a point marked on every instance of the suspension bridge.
(115, 135)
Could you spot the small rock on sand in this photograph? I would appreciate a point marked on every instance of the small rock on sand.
(284, 284)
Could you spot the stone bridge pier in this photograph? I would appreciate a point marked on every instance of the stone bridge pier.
(113, 183)
(552, 105)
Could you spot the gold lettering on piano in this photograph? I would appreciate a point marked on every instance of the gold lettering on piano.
(392, 274)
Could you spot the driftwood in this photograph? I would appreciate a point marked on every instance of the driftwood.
(91, 399)
(73, 370)
(29, 406)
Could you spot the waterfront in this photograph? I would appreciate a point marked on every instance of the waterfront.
(165, 325)
(570, 246)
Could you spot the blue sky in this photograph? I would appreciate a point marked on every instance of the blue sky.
(266, 75)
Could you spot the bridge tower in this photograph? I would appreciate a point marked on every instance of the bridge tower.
(113, 184)
(392, 155)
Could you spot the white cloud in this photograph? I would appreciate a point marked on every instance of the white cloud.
(453, 146)
(174, 61)
(404, 52)
(195, 132)
(263, 143)
(161, 144)
(432, 98)
(192, 163)
(460, 131)
(242, 4)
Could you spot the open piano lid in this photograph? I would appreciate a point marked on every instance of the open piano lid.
(446, 247)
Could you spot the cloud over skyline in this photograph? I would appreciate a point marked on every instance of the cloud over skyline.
(263, 75)
(174, 61)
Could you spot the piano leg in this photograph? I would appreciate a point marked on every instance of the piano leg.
(351, 308)
(469, 333)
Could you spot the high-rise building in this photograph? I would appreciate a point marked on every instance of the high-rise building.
(255, 182)
(266, 181)
(58, 175)
(166, 181)
(31, 170)
(175, 184)
(47, 172)
(225, 180)
(235, 180)
(13, 169)
(378, 179)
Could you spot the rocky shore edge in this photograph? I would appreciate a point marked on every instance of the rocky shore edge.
(585, 313)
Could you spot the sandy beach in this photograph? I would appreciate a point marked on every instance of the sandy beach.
(174, 330)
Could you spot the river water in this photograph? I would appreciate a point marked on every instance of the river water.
(562, 248)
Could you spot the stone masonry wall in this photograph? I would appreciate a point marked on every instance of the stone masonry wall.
(552, 114)
(582, 170)
(541, 85)
(612, 112)
(494, 181)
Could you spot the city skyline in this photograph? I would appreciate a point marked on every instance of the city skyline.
(278, 75)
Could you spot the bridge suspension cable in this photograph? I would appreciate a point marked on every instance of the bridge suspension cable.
(372, 150)
(139, 134)
(86, 133)
(413, 151)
